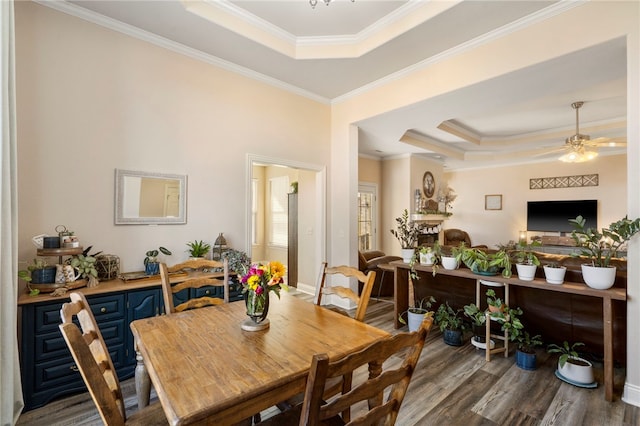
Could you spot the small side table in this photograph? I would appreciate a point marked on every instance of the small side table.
(505, 336)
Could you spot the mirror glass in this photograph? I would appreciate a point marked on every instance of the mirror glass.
(150, 198)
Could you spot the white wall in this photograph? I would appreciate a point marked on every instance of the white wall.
(492, 227)
(94, 100)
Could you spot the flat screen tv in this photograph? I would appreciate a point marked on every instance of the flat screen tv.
(553, 216)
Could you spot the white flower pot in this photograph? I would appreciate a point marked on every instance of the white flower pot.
(414, 319)
(407, 254)
(449, 262)
(580, 374)
(598, 277)
(554, 275)
(427, 258)
(526, 272)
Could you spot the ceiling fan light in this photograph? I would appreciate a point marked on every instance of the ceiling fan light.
(578, 156)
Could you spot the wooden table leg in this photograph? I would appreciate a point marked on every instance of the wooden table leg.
(607, 319)
(400, 293)
(143, 382)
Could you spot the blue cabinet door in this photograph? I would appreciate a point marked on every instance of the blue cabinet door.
(140, 304)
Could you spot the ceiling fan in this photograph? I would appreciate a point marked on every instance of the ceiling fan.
(579, 147)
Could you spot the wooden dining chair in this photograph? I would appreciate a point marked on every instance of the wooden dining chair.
(194, 281)
(94, 362)
(385, 376)
(361, 301)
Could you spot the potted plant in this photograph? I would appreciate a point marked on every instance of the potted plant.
(451, 324)
(554, 273)
(484, 263)
(198, 249)
(86, 267)
(494, 303)
(407, 234)
(478, 322)
(600, 248)
(416, 314)
(571, 367)
(526, 261)
(151, 265)
(429, 255)
(39, 272)
(525, 343)
(450, 258)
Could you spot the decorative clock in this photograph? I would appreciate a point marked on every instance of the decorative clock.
(428, 184)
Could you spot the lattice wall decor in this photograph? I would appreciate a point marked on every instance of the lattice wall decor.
(563, 182)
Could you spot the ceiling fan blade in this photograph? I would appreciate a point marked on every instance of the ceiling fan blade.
(607, 142)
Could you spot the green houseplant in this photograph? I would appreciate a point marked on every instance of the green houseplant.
(571, 367)
(86, 267)
(416, 314)
(484, 263)
(526, 260)
(450, 323)
(407, 234)
(494, 303)
(478, 321)
(41, 271)
(198, 248)
(151, 266)
(601, 247)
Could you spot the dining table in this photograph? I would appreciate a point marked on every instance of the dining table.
(207, 370)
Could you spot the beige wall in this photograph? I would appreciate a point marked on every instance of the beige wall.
(369, 170)
(492, 227)
(91, 100)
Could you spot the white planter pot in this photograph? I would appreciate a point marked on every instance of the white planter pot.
(526, 272)
(597, 277)
(407, 254)
(426, 259)
(449, 262)
(580, 374)
(414, 320)
(555, 275)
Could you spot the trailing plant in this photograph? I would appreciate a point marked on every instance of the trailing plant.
(198, 248)
(448, 318)
(524, 254)
(237, 260)
(510, 321)
(480, 261)
(86, 266)
(407, 231)
(600, 247)
(25, 274)
(422, 306)
(566, 351)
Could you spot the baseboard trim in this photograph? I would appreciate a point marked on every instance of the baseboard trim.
(631, 394)
(306, 288)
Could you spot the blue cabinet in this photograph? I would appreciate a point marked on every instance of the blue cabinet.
(48, 369)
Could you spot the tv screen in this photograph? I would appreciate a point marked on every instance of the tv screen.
(553, 216)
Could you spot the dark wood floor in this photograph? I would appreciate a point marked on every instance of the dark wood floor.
(452, 386)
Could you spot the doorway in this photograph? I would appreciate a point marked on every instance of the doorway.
(269, 181)
(367, 216)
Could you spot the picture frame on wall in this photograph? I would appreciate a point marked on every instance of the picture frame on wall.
(493, 202)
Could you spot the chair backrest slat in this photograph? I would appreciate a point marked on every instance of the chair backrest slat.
(362, 301)
(406, 346)
(195, 268)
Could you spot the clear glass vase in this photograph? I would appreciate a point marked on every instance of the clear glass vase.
(257, 305)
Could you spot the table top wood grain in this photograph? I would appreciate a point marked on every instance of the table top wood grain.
(206, 370)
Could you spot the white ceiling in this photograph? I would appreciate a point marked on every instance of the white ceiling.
(332, 52)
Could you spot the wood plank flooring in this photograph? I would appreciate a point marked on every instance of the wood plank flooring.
(452, 386)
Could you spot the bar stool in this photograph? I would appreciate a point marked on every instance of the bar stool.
(384, 267)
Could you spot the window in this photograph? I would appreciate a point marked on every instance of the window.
(278, 189)
(366, 217)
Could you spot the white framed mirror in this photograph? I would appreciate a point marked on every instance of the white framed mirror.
(150, 198)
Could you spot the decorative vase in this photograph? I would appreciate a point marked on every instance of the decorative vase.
(257, 310)
(407, 255)
(600, 278)
(576, 371)
(152, 268)
(46, 275)
(526, 272)
(554, 275)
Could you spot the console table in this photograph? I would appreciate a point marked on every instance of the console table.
(47, 368)
(401, 302)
